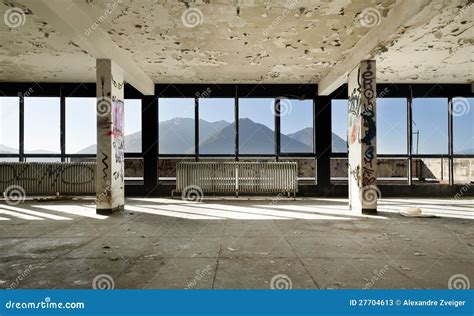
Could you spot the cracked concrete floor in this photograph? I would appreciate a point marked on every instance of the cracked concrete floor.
(250, 243)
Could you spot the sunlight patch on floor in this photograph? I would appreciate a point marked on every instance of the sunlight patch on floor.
(72, 209)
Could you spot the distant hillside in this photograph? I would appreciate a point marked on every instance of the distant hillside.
(10, 150)
(304, 136)
(253, 138)
(7, 150)
(338, 144)
(177, 136)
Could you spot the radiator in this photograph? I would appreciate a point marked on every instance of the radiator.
(49, 177)
(238, 177)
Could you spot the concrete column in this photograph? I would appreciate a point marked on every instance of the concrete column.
(110, 141)
(363, 191)
(322, 124)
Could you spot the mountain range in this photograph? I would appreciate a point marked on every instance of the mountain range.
(177, 136)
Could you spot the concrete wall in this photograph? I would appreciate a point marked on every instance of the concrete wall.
(463, 170)
(389, 168)
(423, 169)
(134, 168)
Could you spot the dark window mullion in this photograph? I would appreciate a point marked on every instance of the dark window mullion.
(62, 124)
(22, 129)
(196, 129)
(409, 138)
(236, 126)
(277, 111)
(450, 141)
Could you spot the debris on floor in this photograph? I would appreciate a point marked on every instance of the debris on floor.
(54, 198)
(415, 212)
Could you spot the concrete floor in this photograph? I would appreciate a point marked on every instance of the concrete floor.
(250, 243)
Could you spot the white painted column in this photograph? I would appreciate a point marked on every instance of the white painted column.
(110, 194)
(363, 191)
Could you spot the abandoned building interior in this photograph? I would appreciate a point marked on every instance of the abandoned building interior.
(288, 144)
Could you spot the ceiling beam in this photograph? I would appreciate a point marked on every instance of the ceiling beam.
(73, 22)
(397, 17)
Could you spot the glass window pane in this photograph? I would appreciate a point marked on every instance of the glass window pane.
(430, 126)
(391, 126)
(176, 125)
(81, 130)
(463, 126)
(216, 126)
(296, 124)
(339, 116)
(42, 125)
(256, 126)
(9, 125)
(133, 125)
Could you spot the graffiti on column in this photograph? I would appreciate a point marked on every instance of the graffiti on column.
(106, 166)
(118, 141)
(361, 137)
(354, 117)
(367, 85)
(103, 125)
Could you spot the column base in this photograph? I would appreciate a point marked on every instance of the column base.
(369, 211)
(109, 211)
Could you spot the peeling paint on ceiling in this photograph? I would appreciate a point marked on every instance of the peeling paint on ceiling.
(245, 41)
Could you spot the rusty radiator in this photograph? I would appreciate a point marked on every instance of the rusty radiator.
(238, 177)
(38, 178)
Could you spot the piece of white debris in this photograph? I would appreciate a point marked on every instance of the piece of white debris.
(418, 253)
(414, 212)
(231, 249)
(3, 281)
(405, 268)
(80, 282)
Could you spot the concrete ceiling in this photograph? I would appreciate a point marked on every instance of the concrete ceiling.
(243, 41)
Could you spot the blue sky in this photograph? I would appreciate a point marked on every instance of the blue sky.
(429, 116)
(42, 119)
(216, 109)
(171, 108)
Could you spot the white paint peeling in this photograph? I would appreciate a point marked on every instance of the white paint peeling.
(283, 43)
